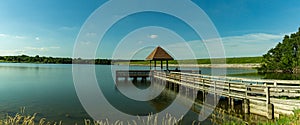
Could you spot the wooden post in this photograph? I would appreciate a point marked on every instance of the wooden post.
(246, 106)
(232, 103)
(228, 88)
(203, 96)
(150, 65)
(161, 65)
(270, 111)
(215, 87)
(167, 65)
(269, 106)
(267, 91)
(203, 85)
(154, 64)
(246, 101)
(215, 94)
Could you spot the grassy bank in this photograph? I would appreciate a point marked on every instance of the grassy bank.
(283, 120)
(287, 119)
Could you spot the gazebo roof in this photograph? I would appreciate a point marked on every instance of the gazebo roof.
(159, 54)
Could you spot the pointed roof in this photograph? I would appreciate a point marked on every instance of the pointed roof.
(159, 54)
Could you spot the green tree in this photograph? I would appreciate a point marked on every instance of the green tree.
(284, 57)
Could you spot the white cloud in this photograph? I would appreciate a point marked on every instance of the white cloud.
(27, 50)
(153, 36)
(11, 52)
(20, 37)
(41, 49)
(3, 35)
(37, 38)
(255, 44)
(12, 36)
(255, 37)
(67, 28)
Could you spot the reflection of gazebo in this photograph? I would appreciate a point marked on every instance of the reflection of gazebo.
(159, 54)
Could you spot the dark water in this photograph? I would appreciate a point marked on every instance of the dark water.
(48, 89)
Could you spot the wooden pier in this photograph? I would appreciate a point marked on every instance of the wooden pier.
(262, 97)
(144, 74)
(135, 74)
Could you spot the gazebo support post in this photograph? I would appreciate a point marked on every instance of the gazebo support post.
(150, 65)
(167, 65)
(154, 64)
(161, 65)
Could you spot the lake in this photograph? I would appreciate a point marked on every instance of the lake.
(48, 89)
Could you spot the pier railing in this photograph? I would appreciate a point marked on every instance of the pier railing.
(264, 97)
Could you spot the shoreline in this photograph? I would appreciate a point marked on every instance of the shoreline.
(246, 66)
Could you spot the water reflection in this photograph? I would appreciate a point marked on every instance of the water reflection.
(49, 91)
(221, 114)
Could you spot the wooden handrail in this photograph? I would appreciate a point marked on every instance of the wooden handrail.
(246, 87)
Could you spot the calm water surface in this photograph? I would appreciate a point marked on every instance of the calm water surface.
(48, 89)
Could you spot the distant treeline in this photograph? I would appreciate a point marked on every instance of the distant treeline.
(56, 60)
(52, 60)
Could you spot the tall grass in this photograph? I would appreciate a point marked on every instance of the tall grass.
(150, 120)
(22, 119)
(286, 119)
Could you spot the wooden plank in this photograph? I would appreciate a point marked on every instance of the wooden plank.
(285, 112)
(284, 107)
(258, 112)
(258, 107)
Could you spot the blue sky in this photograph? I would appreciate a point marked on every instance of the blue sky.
(50, 27)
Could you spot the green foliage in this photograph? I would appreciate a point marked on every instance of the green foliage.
(284, 57)
(286, 119)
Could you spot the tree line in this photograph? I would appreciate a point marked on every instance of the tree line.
(52, 60)
(284, 57)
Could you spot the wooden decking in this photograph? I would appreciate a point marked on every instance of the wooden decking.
(263, 97)
(143, 74)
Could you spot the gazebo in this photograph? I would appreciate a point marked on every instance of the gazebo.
(159, 54)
